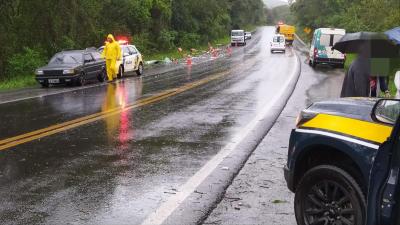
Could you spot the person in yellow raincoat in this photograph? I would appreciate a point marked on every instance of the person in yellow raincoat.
(111, 53)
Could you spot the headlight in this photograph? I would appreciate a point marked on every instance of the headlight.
(304, 117)
(71, 71)
(39, 72)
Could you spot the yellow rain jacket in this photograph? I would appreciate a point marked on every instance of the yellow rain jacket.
(112, 53)
(112, 50)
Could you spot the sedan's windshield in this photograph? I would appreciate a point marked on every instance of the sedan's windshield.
(66, 58)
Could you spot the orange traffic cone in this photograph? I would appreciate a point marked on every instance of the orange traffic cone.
(189, 60)
(215, 53)
(229, 51)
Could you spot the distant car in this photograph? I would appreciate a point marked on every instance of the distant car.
(72, 67)
(278, 43)
(132, 60)
(331, 158)
(321, 51)
(238, 38)
(247, 35)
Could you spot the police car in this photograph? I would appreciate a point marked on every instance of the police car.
(132, 60)
(331, 159)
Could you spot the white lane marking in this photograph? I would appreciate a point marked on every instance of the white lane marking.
(341, 137)
(168, 207)
(53, 93)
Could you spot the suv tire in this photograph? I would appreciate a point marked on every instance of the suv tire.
(328, 194)
(139, 71)
(120, 73)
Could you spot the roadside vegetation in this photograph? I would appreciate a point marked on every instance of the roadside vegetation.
(34, 30)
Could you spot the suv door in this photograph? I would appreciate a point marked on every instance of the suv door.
(128, 59)
(135, 57)
(383, 192)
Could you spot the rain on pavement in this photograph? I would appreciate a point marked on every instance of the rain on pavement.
(119, 169)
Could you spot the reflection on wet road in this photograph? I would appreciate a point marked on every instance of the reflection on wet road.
(133, 143)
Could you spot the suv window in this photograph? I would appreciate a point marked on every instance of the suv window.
(125, 49)
(325, 40)
(132, 49)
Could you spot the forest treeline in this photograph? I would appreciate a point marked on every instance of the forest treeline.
(352, 15)
(31, 31)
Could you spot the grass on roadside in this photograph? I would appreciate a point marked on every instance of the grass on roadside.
(17, 82)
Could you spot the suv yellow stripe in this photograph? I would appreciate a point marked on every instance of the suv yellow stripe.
(369, 131)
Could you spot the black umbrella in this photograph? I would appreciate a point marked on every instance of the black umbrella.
(376, 44)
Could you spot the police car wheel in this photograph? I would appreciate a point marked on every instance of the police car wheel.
(120, 72)
(140, 69)
(329, 195)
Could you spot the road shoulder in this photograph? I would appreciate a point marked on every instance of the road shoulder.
(195, 200)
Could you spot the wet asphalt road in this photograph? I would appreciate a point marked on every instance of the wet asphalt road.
(120, 168)
(258, 194)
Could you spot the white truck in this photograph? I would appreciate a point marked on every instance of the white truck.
(238, 38)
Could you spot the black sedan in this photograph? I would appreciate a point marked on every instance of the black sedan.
(72, 67)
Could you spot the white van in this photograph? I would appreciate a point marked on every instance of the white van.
(238, 37)
(278, 43)
(321, 47)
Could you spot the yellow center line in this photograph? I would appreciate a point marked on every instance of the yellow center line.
(54, 129)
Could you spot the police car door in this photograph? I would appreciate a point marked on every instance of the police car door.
(383, 192)
(128, 59)
(135, 57)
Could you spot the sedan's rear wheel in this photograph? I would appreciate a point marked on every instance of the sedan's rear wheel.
(329, 195)
(102, 76)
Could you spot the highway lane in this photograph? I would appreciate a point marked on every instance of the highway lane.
(149, 136)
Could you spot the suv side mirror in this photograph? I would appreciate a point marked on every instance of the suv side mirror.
(386, 111)
(126, 54)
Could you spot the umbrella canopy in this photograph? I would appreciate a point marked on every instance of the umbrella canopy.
(394, 35)
(376, 44)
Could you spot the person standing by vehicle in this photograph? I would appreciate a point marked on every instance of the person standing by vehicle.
(356, 82)
(111, 53)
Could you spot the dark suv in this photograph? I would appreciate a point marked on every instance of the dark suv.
(330, 158)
